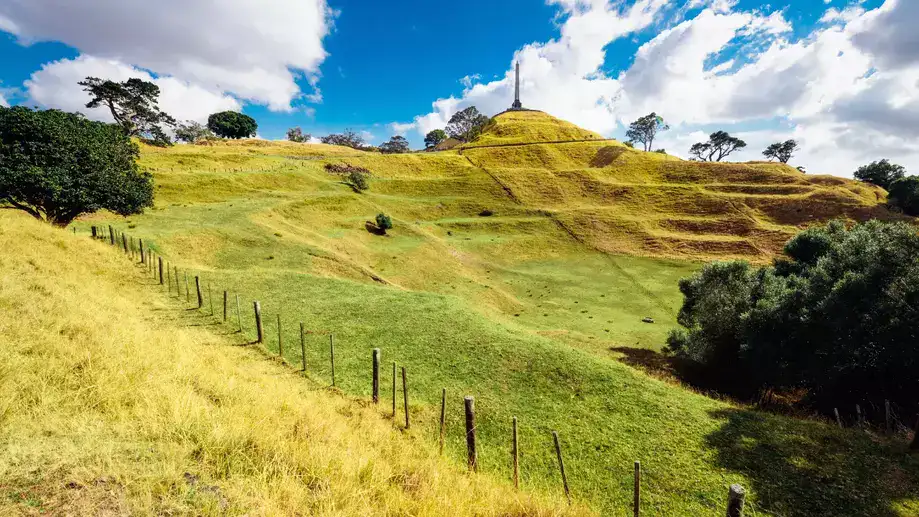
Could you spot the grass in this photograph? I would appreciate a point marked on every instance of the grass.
(523, 308)
(116, 400)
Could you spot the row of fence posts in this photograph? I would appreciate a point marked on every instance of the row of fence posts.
(736, 493)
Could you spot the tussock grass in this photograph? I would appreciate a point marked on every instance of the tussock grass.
(513, 127)
(115, 401)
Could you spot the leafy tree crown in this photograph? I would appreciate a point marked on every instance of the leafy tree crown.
(881, 173)
(434, 138)
(133, 105)
(466, 125)
(232, 124)
(645, 129)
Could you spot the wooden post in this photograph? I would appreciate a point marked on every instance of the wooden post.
(111, 235)
(159, 261)
(198, 290)
(515, 450)
(561, 465)
(376, 376)
(405, 397)
(736, 495)
(124, 243)
(239, 320)
(168, 279)
(838, 420)
(225, 294)
(393, 391)
(914, 446)
(303, 346)
(332, 356)
(95, 235)
(280, 340)
(636, 496)
(260, 332)
(175, 271)
(210, 298)
(142, 255)
(887, 418)
(187, 292)
(472, 457)
(443, 418)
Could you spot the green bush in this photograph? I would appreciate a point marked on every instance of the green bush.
(904, 194)
(838, 316)
(384, 222)
(357, 180)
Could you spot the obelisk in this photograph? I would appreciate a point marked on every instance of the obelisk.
(517, 105)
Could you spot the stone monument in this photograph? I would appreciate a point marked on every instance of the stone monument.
(517, 106)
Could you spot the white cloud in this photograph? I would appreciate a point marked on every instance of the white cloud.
(399, 128)
(55, 86)
(849, 91)
(3, 101)
(254, 49)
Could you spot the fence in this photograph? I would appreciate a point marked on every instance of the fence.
(157, 267)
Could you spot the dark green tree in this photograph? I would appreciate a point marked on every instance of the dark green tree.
(191, 132)
(396, 145)
(295, 134)
(720, 144)
(56, 166)
(348, 139)
(781, 151)
(434, 138)
(881, 173)
(357, 180)
(133, 104)
(466, 125)
(904, 194)
(645, 129)
(384, 222)
(232, 124)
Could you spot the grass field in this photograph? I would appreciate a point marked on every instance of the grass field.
(510, 275)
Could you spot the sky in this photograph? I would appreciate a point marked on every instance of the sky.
(839, 76)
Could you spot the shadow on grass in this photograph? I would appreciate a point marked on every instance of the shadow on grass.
(799, 467)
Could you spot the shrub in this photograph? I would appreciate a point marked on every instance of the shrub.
(345, 168)
(904, 194)
(296, 134)
(384, 222)
(486, 213)
(357, 180)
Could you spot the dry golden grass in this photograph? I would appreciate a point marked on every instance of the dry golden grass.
(514, 127)
(115, 401)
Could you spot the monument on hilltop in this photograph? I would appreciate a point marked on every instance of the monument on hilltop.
(517, 106)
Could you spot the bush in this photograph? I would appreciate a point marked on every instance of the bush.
(345, 168)
(384, 222)
(486, 213)
(904, 194)
(836, 316)
(357, 180)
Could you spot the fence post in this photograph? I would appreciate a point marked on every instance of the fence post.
(168, 280)
(736, 495)
(303, 347)
(93, 229)
(239, 320)
(198, 290)
(405, 396)
(225, 294)
(516, 453)
(393, 391)
(124, 243)
(143, 257)
(111, 235)
(376, 376)
(160, 262)
(443, 418)
(472, 459)
(187, 292)
(561, 465)
(636, 496)
(258, 323)
(332, 356)
(280, 340)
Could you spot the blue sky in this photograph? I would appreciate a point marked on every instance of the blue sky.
(367, 65)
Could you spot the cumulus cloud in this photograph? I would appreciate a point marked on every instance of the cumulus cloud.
(3, 101)
(849, 91)
(55, 86)
(254, 49)
(399, 128)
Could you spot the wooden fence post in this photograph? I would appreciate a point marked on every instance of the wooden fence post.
(393, 391)
(443, 418)
(472, 457)
(187, 292)
(111, 235)
(515, 450)
(736, 495)
(303, 347)
(210, 298)
(332, 356)
(93, 229)
(405, 397)
(258, 323)
(280, 340)
(143, 258)
(561, 465)
(636, 496)
(198, 290)
(239, 320)
(124, 243)
(225, 294)
(160, 262)
(376, 376)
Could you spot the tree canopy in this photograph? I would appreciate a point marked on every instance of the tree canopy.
(781, 151)
(191, 132)
(881, 173)
(232, 124)
(838, 317)
(348, 139)
(466, 125)
(57, 166)
(434, 138)
(720, 144)
(397, 144)
(645, 129)
(904, 194)
(295, 134)
(133, 104)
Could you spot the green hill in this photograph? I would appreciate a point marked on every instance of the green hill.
(511, 274)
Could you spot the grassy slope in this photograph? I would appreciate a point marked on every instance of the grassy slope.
(491, 306)
(115, 401)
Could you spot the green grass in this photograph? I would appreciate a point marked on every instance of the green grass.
(521, 309)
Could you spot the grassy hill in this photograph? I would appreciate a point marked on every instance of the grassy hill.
(511, 274)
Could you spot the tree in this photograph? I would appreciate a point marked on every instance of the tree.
(357, 180)
(881, 173)
(396, 145)
(384, 223)
(133, 105)
(434, 138)
(295, 134)
(191, 132)
(466, 125)
(232, 124)
(904, 194)
(720, 144)
(348, 139)
(56, 166)
(781, 151)
(645, 129)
